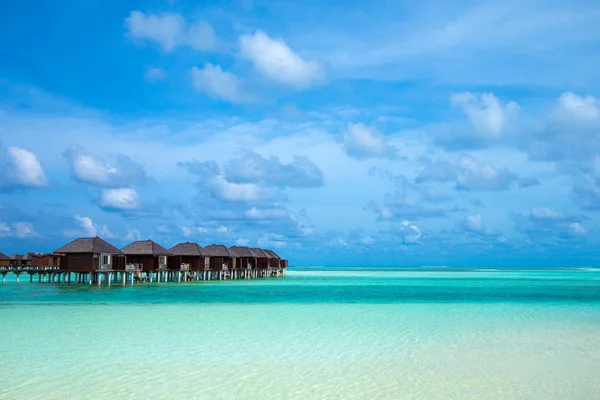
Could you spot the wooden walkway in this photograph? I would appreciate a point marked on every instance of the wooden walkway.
(54, 274)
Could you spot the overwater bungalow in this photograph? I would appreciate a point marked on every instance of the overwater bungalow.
(20, 259)
(90, 255)
(93, 260)
(260, 257)
(242, 257)
(47, 259)
(273, 259)
(4, 260)
(219, 257)
(188, 256)
(147, 255)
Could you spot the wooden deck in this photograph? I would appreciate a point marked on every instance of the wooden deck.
(54, 274)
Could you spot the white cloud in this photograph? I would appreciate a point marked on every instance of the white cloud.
(5, 230)
(410, 232)
(545, 222)
(219, 84)
(86, 227)
(474, 224)
(274, 59)
(251, 167)
(468, 173)
(120, 170)
(339, 243)
(121, 199)
(360, 141)
(242, 242)
(19, 230)
(576, 229)
(211, 178)
(163, 229)
(239, 191)
(578, 109)
(154, 74)
(267, 213)
(170, 30)
(222, 229)
(189, 231)
(546, 213)
(133, 235)
(24, 230)
(368, 240)
(485, 111)
(22, 167)
(274, 240)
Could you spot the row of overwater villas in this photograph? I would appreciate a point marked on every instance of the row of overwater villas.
(147, 258)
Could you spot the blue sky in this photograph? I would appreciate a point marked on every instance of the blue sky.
(338, 133)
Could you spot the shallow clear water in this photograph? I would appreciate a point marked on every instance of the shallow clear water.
(311, 335)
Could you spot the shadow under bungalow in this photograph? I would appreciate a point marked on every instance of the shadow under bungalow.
(95, 261)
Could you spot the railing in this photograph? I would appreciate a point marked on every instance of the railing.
(28, 268)
(184, 267)
(133, 267)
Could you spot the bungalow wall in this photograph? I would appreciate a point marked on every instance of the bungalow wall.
(5, 263)
(45, 260)
(243, 262)
(194, 262)
(283, 263)
(118, 262)
(20, 262)
(273, 262)
(216, 263)
(79, 262)
(261, 263)
(148, 263)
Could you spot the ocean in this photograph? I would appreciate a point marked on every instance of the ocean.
(317, 333)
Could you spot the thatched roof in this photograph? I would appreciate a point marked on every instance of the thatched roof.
(257, 253)
(216, 250)
(271, 253)
(89, 245)
(144, 248)
(39, 255)
(4, 257)
(187, 249)
(240, 251)
(19, 257)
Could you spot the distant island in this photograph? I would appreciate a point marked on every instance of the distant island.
(95, 261)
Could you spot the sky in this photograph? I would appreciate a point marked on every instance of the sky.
(393, 133)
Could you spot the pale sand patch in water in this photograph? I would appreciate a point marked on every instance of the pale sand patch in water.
(315, 351)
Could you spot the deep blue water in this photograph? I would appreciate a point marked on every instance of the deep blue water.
(334, 286)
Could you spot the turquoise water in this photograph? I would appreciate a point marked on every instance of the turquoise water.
(314, 334)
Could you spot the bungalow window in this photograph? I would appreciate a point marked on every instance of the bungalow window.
(105, 260)
(162, 260)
